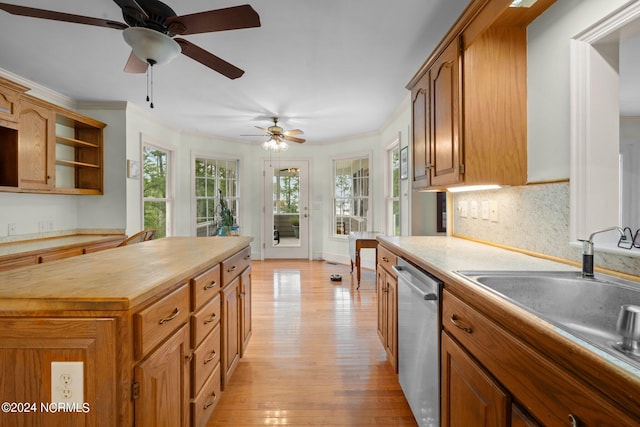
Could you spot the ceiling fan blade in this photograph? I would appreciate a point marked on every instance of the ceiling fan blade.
(231, 18)
(208, 59)
(135, 65)
(262, 129)
(293, 132)
(60, 16)
(293, 139)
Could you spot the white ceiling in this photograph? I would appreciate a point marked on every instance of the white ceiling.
(333, 68)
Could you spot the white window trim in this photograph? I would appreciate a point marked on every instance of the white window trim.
(332, 191)
(388, 183)
(171, 170)
(212, 156)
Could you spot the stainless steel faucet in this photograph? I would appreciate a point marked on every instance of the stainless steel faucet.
(587, 251)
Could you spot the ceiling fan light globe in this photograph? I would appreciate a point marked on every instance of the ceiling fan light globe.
(151, 46)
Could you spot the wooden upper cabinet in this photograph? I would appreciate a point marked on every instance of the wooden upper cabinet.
(474, 130)
(445, 159)
(36, 149)
(10, 93)
(420, 129)
(45, 148)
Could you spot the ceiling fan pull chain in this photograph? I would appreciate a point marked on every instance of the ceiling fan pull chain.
(147, 84)
(151, 85)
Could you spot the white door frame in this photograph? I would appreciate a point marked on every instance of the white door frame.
(304, 250)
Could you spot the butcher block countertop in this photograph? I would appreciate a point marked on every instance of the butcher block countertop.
(114, 279)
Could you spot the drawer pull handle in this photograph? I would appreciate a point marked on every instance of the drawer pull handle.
(232, 268)
(385, 259)
(170, 317)
(210, 357)
(210, 285)
(210, 401)
(246, 257)
(210, 319)
(575, 422)
(460, 325)
(189, 357)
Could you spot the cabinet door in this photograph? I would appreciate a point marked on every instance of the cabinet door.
(245, 309)
(163, 380)
(36, 147)
(230, 329)
(445, 117)
(382, 305)
(392, 320)
(420, 135)
(28, 348)
(470, 397)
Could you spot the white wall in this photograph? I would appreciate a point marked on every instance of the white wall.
(548, 87)
(128, 126)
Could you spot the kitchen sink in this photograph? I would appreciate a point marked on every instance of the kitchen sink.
(587, 308)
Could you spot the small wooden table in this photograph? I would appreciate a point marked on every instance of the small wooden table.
(361, 240)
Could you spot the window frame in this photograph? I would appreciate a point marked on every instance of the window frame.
(169, 199)
(194, 205)
(390, 199)
(333, 217)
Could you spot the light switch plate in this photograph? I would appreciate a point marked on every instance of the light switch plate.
(474, 209)
(67, 382)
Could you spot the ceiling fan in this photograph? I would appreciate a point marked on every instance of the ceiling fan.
(277, 136)
(150, 29)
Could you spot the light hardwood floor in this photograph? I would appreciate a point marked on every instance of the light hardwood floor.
(315, 358)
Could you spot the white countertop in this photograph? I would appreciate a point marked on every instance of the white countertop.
(449, 254)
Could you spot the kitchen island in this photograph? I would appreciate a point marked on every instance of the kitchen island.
(501, 364)
(145, 324)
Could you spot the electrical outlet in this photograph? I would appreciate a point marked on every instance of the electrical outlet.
(11, 229)
(67, 382)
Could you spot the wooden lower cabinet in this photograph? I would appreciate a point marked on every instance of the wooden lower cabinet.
(485, 369)
(387, 285)
(230, 329)
(26, 380)
(163, 384)
(470, 397)
(159, 363)
(245, 309)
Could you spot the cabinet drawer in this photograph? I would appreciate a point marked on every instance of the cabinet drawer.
(203, 405)
(204, 320)
(234, 265)
(205, 358)
(18, 261)
(156, 322)
(543, 389)
(387, 259)
(205, 286)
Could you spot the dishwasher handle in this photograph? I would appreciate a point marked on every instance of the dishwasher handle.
(405, 276)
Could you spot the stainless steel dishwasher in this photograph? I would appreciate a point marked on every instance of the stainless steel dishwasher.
(419, 327)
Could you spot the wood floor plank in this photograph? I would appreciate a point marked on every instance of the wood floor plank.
(314, 358)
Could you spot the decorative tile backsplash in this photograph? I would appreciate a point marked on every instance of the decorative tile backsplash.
(533, 218)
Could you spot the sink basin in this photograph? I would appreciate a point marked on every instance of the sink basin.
(585, 308)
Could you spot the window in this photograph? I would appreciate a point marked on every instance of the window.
(351, 197)
(157, 197)
(393, 191)
(215, 181)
